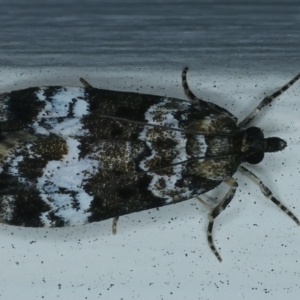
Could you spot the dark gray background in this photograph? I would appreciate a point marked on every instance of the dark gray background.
(122, 34)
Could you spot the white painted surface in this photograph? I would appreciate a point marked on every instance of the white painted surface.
(163, 254)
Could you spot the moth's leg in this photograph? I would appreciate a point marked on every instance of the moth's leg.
(114, 225)
(216, 211)
(268, 194)
(203, 202)
(266, 101)
(85, 83)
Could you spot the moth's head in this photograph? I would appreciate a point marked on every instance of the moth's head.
(254, 145)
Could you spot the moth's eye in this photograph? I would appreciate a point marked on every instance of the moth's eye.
(255, 158)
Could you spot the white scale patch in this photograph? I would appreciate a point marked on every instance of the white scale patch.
(70, 173)
(59, 108)
(166, 118)
(13, 160)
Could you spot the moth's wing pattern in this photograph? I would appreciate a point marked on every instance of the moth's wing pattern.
(78, 155)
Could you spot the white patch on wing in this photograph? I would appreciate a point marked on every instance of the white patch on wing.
(202, 145)
(13, 166)
(60, 178)
(13, 160)
(69, 127)
(48, 120)
(81, 108)
(163, 115)
(59, 104)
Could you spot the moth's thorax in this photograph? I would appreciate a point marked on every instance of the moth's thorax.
(216, 145)
(213, 124)
(219, 134)
(221, 138)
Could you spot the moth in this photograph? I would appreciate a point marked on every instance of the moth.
(75, 155)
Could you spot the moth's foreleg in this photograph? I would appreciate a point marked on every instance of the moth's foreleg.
(216, 211)
(266, 101)
(85, 83)
(114, 225)
(267, 193)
